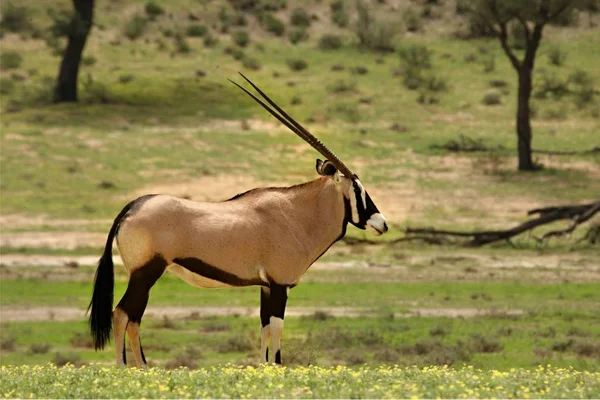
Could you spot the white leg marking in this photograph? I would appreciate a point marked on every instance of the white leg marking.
(262, 275)
(265, 335)
(276, 331)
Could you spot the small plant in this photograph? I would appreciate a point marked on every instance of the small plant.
(210, 40)
(498, 83)
(181, 44)
(238, 53)
(153, 10)
(416, 56)
(559, 113)
(88, 60)
(135, 27)
(8, 344)
(251, 63)
(372, 34)
(39, 348)
(196, 30)
(10, 59)
(339, 14)
(298, 35)
(556, 56)
(489, 64)
(330, 42)
(272, 24)
(15, 18)
(241, 38)
(360, 70)
(236, 343)
(297, 64)
(412, 21)
(300, 18)
(342, 86)
(60, 359)
(549, 84)
(492, 98)
(6, 86)
(126, 78)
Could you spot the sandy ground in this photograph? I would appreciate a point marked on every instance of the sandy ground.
(39, 314)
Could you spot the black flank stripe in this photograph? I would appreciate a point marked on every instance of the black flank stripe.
(205, 270)
(278, 357)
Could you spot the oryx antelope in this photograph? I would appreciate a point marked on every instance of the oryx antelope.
(265, 237)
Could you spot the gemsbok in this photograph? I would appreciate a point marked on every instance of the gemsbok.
(265, 237)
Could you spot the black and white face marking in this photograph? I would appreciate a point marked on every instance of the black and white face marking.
(364, 213)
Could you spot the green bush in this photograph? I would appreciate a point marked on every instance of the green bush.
(210, 40)
(492, 98)
(241, 38)
(298, 35)
(88, 60)
(196, 30)
(126, 78)
(251, 63)
(372, 34)
(518, 36)
(272, 24)
(6, 86)
(339, 14)
(135, 27)
(10, 59)
(297, 64)
(15, 18)
(181, 44)
(489, 63)
(238, 53)
(300, 18)
(412, 21)
(153, 10)
(416, 56)
(342, 86)
(330, 42)
(556, 56)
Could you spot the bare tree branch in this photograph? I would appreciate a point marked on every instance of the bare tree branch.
(504, 41)
(578, 214)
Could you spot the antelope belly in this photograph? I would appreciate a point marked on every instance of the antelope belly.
(195, 279)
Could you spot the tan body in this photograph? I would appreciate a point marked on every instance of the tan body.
(273, 234)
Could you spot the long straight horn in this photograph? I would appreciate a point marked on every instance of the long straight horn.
(298, 129)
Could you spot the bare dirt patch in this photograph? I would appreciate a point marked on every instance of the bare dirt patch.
(53, 240)
(21, 314)
(19, 221)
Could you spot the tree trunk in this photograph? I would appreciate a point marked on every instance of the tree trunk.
(66, 84)
(523, 120)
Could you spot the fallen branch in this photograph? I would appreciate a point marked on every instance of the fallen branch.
(577, 214)
(593, 150)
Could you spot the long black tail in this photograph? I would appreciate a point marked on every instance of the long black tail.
(101, 305)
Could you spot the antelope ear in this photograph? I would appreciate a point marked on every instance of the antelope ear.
(325, 168)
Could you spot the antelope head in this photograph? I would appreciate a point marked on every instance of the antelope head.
(363, 211)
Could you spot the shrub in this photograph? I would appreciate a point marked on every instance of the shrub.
(477, 29)
(10, 59)
(360, 70)
(330, 42)
(251, 63)
(300, 18)
(60, 360)
(342, 86)
(241, 38)
(297, 64)
(550, 84)
(135, 27)
(372, 34)
(210, 40)
(412, 21)
(556, 56)
(489, 63)
(153, 10)
(196, 30)
(88, 60)
(416, 56)
(238, 19)
(297, 35)
(570, 17)
(39, 348)
(559, 113)
(492, 98)
(238, 53)
(272, 24)
(6, 86)
(181, 44)
(15, 18)
(339, 15)
(126, 78)
(498, 83)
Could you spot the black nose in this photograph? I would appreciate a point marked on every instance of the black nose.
(385, 227)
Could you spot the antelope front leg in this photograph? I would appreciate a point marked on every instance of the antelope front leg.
(265, 327)
(279, 295)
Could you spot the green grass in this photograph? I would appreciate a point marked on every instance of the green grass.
(312, 382)
(169, 290)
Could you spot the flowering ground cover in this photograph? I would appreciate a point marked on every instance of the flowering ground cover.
(271, 381)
